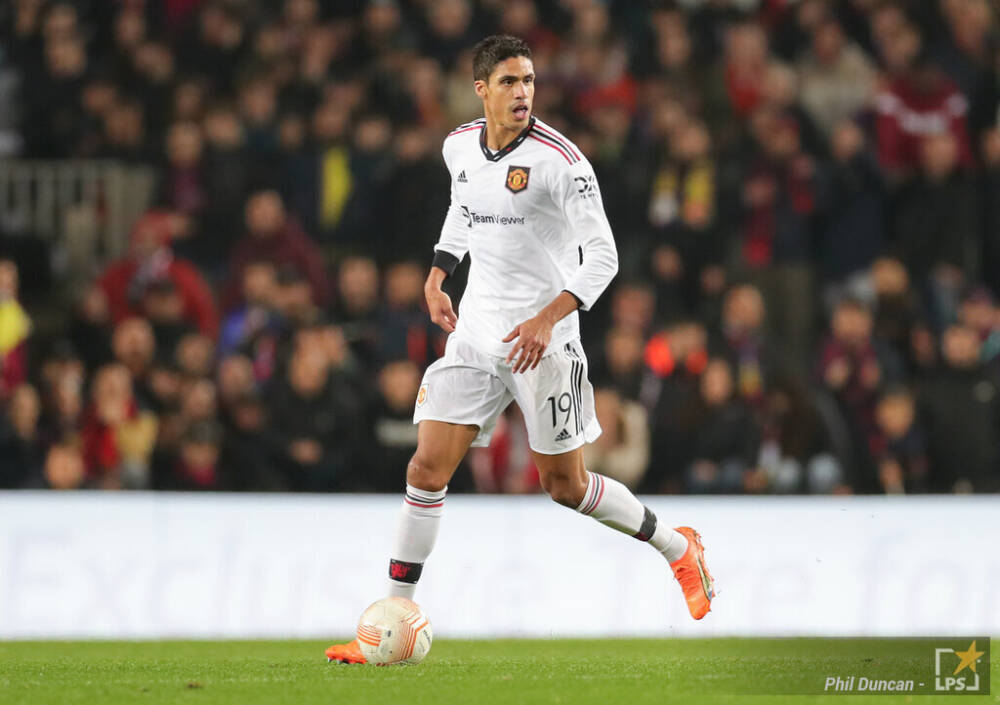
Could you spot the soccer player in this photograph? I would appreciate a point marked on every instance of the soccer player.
(526, 207)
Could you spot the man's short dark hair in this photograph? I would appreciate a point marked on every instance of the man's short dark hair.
(494, 49)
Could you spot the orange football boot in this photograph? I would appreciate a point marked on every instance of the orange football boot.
(691, 573)
(346, 653)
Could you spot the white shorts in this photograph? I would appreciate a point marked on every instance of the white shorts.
(467, 386)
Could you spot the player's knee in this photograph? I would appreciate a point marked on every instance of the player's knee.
(425, 475)
(563, 489)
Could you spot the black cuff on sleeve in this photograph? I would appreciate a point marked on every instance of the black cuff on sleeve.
(446, 261)
(579, 301)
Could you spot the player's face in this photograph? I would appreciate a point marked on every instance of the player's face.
(508, 94)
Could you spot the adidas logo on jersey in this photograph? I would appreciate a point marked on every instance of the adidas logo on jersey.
(461, 178)
(563, 435)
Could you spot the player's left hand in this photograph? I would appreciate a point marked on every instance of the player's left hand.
(534, 336)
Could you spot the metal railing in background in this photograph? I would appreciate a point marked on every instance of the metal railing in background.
(82, 209)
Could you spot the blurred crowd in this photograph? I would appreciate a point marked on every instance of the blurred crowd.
(805, 195)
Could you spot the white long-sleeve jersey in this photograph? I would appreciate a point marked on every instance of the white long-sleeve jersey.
(531, 218)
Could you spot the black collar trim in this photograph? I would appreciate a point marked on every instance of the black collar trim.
(514, 144)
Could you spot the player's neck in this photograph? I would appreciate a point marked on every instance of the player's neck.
(499, 136)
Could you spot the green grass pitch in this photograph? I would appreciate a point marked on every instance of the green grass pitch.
(606, 671)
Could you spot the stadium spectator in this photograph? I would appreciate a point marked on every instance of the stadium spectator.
(450, 28)
(125, 133)
(294, 301)
(918, 103)
(675, 358)
(743, 341)
(195, 466)
(258, 105)
(720, 436)
(226, 171)
(90, 327)
(990, 200)
(117, 437)
(688, 249)
(936, 228)
(356, 307)
(21, 451)
(404, 327)
(978, 311)
(150, 258)
(163, 307)
(780, 96)
(61, 387)
(853, 204)
(315, 421)
(806, 445)
(163, 385)
(242, 325)
(416, 188)
(899, 321)
(249, 451)
(779, 206)
(965, 52)
(370, 156)
(622, 450)
(64, 468)
(182, 188)
(837, 78)
(394, 435)
(58, 68)
(236, 381)
(852, 367)
(134, 348)
(97, 96)
(901, 449)
(216, 46)
(619, 364)
(15, 327)
(962, 410)
(744, 67)
(274, 236)
(633, 306)
(195, 355)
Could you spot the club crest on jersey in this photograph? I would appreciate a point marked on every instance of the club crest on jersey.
(517, 178)
(422, 395)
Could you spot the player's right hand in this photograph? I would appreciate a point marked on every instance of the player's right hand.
(439, 305)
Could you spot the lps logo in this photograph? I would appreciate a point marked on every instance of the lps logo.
(948, 680)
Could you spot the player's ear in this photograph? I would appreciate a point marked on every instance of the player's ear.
(481, 89)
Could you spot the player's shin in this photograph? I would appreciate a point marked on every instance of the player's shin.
(614, 505)
(415, 535)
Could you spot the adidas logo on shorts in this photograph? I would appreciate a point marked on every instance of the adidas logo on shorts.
(563, 435)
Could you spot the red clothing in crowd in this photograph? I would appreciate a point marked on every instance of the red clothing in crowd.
(13, 370)
(99, 441)
(744, 89)
(199, 306)
(289, 246)
(124, 281)
(906, 114)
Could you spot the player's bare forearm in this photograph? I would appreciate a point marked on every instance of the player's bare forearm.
(560, 307)
(534, 335)
(435, 278)
(438, 302)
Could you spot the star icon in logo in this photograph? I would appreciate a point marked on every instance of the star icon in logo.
(967, 659)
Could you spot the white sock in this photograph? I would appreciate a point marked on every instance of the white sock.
(614, 505)
(415, 535)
